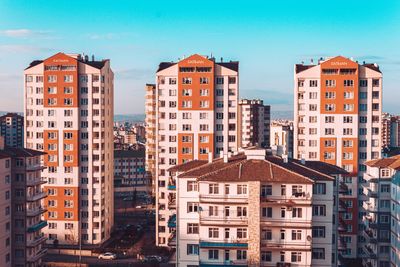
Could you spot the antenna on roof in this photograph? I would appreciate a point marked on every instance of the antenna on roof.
(312, 61)
(222, 59)
(92, 57)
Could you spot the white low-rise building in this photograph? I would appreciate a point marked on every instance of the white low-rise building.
(250, 209)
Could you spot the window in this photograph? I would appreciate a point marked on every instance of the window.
(242, 189)
(232, 80)
(348, 107)
(318, 231)
(220, 80)
(241, 233)
(213, 189)
(266, 256)
(266, 234)
(68, 78)
(266, 190)
(329, 131)
(313, 83)
(296, 234)
(348, 83)
(267, 212)
(296, 257)
(329, 119)
(330, 95)
(241, 255)
(213, 254)
(330, 83)
(318, 253)
(192, 186)
(213, 211)
(319, 210)
(192, 228)
(186, 80)
(241, 211)
(192, 207)
(363, 83)
(192, 249)
(203, 80)
(297, 212)
(213, 232)
(319, 189)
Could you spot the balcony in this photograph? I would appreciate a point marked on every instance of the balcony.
(214, 198)
(36, 196)
(229, 244)
(372, 194)
(370, 252)
(35, 211)
(35, 182)
(37, 227)
(343, 188)
(279, 244)
(35, 167)
(297, 198)
(172, 240)
(172, 184)
(36, 241)
(37, 256)
(172, 221)
(211, 263)
(205, 219)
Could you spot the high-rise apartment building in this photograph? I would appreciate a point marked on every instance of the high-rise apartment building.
(282, 137)
(255, 119)
(380, 217)
(253, 209)
(21, 237)
(195, 117)
(12, 128)
(390, 130)
(69, 115)
(337, 119)
(150, 122)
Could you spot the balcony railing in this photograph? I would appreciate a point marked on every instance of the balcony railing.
(37, 256)
(224, 244)
(36, 181)
(206, 218)
(35, 167)
(36, 241)
(37, 227)
(298, 198)
(36, 196)
(35, 211)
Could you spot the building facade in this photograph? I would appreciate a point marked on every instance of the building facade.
(390, 130)
(22, 222)
(282, 137)
(255, 119)
(382, 217)
(195, 117)
(12, 128)
(337, 119)
(69, 115)
(250, 209)
(129, 172)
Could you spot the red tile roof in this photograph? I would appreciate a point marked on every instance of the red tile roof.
(187, 166)
(270, 169)
(392, 162)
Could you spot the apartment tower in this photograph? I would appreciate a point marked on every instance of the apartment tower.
(12, 128)
(337, 119)
(69, 115)
(150, 121)
(196, 106)
(255, 120)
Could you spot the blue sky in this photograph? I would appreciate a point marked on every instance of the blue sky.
(267, 37)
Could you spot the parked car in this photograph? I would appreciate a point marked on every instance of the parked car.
(153, 259)
(107, 256)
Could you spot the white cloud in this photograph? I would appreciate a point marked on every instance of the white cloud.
(24, 33)
(17, 48)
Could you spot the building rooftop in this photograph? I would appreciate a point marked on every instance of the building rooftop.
(138, 153)
(242, 167)
(19, 152)
(11, 114)
(392, 162)
(98, 64)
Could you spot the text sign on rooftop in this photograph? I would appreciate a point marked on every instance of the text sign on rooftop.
(194, 61)
(60, 60)
(339, 63)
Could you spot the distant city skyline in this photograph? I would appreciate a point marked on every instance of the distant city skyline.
(267, 39)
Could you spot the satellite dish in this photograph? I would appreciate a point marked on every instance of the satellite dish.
(309, 238)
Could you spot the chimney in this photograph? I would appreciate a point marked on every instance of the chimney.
(2, 143)
(226, 158)
(285, 158)
(92, 57)
(210, 157)
(222, 59)
(86, 58)
(303, 160)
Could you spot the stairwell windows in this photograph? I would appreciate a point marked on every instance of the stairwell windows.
(330, 95)
(313, 83)
(187, 80)
(330, 107)
(187, 92)
(348, 83)
(204, 80)
(330, 83)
